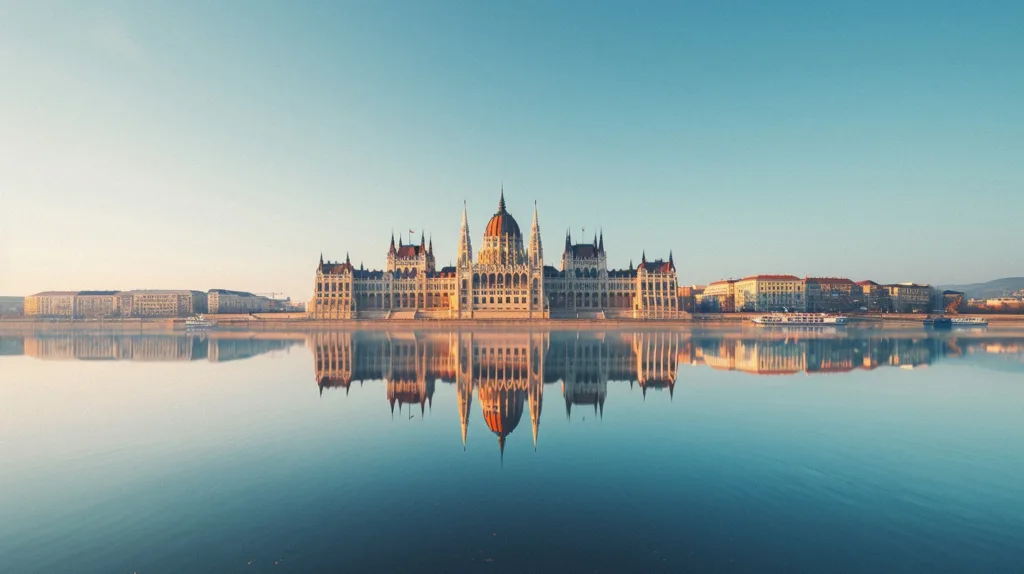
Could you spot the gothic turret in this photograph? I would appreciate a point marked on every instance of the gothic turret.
(465, 246)
(536, 249)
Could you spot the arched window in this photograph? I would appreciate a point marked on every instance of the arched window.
(508, 280)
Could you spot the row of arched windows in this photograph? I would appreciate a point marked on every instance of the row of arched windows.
(493, 280)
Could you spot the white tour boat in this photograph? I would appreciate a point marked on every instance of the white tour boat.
(799, 320)
(969, 321)
(198, 322)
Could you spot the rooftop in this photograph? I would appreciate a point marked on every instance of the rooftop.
(771, 278)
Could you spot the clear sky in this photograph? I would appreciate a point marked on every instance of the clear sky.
(226, 144)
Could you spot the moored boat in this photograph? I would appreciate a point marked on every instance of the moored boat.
(938, 322)
(798, 320)
(198, 322)
(969, 321)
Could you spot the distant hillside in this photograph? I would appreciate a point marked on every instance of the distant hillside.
(990, 289)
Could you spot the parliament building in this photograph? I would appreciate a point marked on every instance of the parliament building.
(507, 280)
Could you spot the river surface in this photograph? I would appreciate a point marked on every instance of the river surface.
(519, 451)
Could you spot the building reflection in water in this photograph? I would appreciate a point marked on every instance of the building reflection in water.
(214, 347)
(507, 372)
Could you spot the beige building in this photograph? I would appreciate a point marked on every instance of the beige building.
(875, 297)
(507, 280)
(96, 304)
(51, 304)
(161, 303)
(761, 293)
(910, 297)
(719, 297)
(832, 294)
(224, 301)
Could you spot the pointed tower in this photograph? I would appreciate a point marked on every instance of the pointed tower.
(392, 253)
(536, 399)
(600, 245)
(536, 250)
(465, 246)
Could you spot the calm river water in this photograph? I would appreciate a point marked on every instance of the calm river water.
(523, 451)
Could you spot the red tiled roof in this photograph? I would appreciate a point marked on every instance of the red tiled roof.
(866, 282)
(409, 251)
(657, 266)
(832, 280)
(773, 277)
(335, 268)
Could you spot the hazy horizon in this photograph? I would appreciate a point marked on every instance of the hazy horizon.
(197, 146)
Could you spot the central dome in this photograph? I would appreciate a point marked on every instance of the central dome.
(502, 223)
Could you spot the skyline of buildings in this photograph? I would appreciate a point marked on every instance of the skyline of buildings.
(147, 303)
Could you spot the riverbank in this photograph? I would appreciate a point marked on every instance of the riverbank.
(301, 322)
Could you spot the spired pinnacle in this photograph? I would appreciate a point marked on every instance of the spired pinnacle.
(501, 201)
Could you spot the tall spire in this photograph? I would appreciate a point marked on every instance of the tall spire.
(321, 259)
(568, 240)
(392, 249)
(536, 250)
(501, 201)
(430, 246)
(347, 262)
(536, 398)
(465, 245)
(423, 240)
(600, 246)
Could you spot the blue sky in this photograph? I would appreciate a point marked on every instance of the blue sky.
(200, 145)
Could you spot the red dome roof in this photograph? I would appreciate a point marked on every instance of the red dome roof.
(502, 223)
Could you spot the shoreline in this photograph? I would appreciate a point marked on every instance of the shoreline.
(292, 322)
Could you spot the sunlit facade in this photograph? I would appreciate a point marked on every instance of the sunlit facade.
(507, 280)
